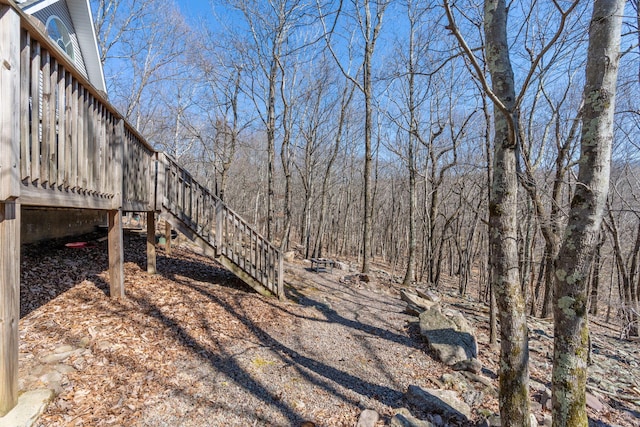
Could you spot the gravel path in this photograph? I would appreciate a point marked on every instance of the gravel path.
(192, 346)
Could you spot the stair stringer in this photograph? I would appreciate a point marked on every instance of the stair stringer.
(208, 248)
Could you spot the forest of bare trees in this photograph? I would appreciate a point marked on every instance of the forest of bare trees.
(440, 139)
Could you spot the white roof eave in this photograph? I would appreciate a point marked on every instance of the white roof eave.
(80, 11)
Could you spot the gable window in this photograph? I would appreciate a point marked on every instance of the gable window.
(60, 35)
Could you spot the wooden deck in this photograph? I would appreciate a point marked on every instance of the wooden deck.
(62, 144)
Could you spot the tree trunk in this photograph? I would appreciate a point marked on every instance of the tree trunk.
(595, 275)
(585, 217)
(271, 136)
(514, 348)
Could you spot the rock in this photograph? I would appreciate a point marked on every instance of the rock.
(51, 377)
(454, 381)
(448, 335)
(473, 397)
(537, 386)
(428, 294)
(341, 265)
(31, 405)
(547, 421)
(494, 421)
(478, 378)
(64, 369)
(535, 407)
(415, 300)
(63, 349)
(58, 356)
(368, 418)
(413, 310)
(594, 403)
(404, 418)
(469, 365)
(442, 402)
(533, 421)
(289, 256)
(545, 398)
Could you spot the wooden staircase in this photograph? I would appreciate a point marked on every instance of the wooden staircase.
(220, 233)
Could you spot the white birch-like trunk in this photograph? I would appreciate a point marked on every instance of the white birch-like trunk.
(587, 207)
(503, 230)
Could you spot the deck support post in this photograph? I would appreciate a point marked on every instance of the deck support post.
(9, 304)
(280, 281)
(167, 237)
(151, 242)
(116, 254)
(10, 46)
(219, 219)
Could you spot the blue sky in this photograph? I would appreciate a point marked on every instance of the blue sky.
(195, 10)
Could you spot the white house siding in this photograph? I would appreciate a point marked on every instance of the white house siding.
(60, 10)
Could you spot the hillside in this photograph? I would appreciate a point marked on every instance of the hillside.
(192, 346)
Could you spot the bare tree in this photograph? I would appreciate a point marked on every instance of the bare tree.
(149, 36)
(368, 15)
(587, 208)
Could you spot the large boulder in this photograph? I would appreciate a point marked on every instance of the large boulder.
(448, 335)
(428, 294)
(404, 418)
(442, 402)
(415, 300)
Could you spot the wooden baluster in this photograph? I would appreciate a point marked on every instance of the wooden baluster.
(52, 140)
(62, 133)
(91, 143)
(74, 149)
(36, 111)
(47, 126)
(25, 62)
(102, 138)
(68, 139)
(82, 139)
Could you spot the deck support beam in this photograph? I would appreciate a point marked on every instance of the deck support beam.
(116, 254)
(151, 242)
(9, 304)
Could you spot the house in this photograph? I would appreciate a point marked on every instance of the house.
(68, 158)
(70, 24)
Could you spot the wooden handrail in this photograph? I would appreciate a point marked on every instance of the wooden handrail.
(208, 216)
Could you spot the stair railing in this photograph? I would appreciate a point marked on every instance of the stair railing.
(209, 217)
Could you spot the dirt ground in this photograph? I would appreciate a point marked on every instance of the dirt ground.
(193, 346)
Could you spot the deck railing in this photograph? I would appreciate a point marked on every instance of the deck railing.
(75, 149)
